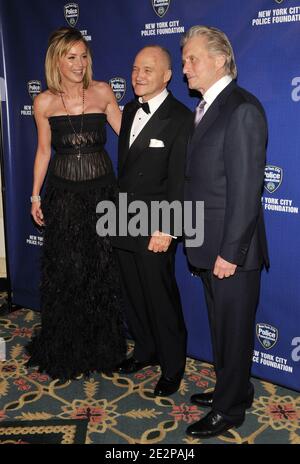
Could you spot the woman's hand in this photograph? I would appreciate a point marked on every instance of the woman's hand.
(37, 214)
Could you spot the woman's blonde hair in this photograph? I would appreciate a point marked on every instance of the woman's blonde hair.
(59, 45)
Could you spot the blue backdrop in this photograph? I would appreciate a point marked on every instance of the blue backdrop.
(264, 34)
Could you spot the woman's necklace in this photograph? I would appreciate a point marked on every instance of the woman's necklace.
(78, 136)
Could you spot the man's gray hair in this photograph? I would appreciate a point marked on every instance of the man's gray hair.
(217, 44)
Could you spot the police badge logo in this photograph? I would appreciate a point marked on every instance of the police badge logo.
(71, 12)
(160, 7)
(273, 178)
(118, 85)
(267, 335)
(34, 88)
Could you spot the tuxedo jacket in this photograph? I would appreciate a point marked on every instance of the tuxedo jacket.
(153, 173)
(225, 169)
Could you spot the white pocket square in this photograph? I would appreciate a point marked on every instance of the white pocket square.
(154, 143)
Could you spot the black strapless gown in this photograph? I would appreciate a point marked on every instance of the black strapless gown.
(81, 318)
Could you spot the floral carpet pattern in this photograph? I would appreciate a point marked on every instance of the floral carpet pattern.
(122, 409)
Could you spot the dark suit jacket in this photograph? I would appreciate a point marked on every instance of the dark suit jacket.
(147, 173)
(225, 169)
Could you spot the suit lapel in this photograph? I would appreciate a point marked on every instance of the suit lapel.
(212, 113)
(124, 138)
(153, 128)
(208, 119)
(206, 122)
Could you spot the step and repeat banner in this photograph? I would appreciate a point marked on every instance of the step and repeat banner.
(265, 36)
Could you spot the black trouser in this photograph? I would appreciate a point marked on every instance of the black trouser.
(232, 304)
(154, 315)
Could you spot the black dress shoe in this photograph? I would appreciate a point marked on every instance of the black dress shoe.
(167, 386)
(211, 425)
(203, 399)
(206, 399)
(132, 365)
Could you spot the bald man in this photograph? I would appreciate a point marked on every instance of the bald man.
(152, 146)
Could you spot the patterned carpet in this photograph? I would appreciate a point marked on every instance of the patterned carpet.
(121, 409)
(66, 432)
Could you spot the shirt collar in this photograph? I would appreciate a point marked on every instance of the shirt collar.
(211, 94)
(156, 101)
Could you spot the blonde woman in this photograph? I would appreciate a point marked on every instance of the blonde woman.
(81, 329)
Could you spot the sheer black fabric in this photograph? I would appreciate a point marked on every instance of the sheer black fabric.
(82, 326)
(79, 158)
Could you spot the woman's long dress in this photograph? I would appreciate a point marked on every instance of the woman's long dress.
(81, 318)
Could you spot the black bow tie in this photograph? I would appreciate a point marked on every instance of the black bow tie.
(145, 106)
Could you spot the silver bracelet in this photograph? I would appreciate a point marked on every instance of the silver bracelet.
(35, 198)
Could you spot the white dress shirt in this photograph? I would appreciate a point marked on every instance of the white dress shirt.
(211, 94)
(141, 118)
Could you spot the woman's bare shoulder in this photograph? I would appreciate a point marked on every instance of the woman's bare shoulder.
(44, 100)
(101, 87)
